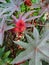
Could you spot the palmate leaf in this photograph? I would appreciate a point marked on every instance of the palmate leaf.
(35, 52)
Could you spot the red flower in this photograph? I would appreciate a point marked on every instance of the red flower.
(28, 2)
(20, 26)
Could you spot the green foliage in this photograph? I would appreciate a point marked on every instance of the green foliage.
(8, 1)
(4, 57)
(36, 48)
(35, 1)
(22, 7)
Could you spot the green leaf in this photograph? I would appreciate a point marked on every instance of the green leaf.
(7, 1)
(2, 51)
(6, 54)
(22, 7)
(7, 60)
(36, 1)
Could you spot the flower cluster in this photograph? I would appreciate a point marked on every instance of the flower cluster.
(20, 26)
